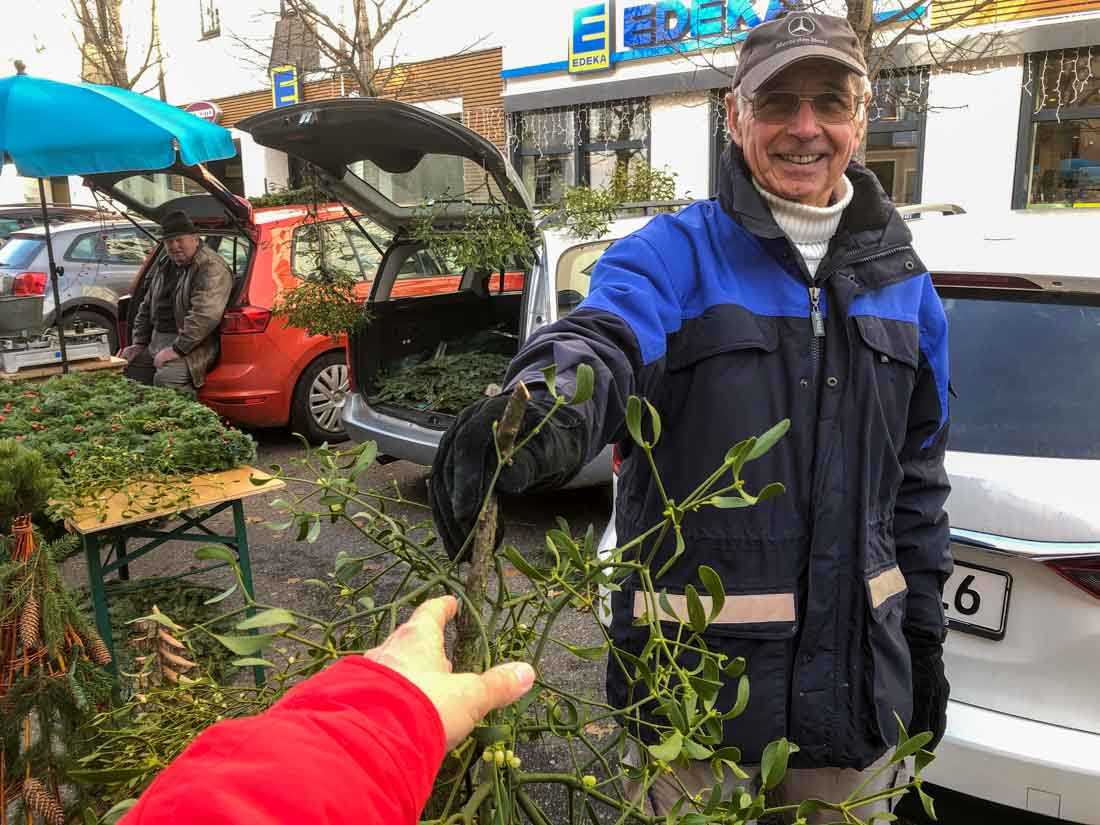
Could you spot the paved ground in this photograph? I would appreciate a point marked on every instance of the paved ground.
(280, 565)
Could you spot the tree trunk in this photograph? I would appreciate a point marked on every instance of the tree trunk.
(861, 16)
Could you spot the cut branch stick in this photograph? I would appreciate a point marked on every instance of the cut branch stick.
(468, 643)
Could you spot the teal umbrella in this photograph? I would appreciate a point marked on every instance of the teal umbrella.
(50, 129)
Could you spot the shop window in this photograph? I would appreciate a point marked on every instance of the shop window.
(578, 146)
(1058, 162)
(210, 18)
(895, 133)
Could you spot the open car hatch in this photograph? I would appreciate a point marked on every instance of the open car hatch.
(389, 160)
(191, 189)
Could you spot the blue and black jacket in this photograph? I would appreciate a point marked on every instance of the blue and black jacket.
(706, 313)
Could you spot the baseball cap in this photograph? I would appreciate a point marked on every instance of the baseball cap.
(775, 45)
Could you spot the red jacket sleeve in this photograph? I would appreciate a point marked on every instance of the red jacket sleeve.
(356, 743)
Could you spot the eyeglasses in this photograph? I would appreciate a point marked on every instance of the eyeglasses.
(829, 107)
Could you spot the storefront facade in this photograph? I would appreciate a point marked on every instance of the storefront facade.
(589, 85)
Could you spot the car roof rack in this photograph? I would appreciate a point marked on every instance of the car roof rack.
(912, 210)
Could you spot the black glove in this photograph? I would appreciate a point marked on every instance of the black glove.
(930, 689)
(466, 460)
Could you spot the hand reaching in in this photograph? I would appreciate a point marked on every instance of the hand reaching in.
(416, 651)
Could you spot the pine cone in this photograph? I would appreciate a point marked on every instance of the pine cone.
(30, 622)
(38, 800)
(97, 650)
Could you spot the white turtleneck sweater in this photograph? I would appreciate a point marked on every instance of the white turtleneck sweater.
(810, 228)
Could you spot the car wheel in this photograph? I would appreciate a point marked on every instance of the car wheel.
(319, 399)
(95, 318)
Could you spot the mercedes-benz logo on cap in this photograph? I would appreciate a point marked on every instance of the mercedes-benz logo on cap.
(801, 25)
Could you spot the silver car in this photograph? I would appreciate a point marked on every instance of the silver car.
(96, 260)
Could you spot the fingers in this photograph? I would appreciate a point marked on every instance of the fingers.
(437, 611)
(504, 684)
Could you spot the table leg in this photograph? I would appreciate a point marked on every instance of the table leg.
(120, 553)
(240, 527)
(241, 530)
(99, 596)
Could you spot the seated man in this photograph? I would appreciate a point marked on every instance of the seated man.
(175, 336)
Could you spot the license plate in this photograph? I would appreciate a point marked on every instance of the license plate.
(975, 600)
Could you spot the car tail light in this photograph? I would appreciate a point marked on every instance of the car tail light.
(616, 459)
(245, 320)
(29, 283)
(1084, 573)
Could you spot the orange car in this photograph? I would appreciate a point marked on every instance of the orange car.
(270, 374)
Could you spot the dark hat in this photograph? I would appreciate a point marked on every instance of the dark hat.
(175, 224)
(775, 45)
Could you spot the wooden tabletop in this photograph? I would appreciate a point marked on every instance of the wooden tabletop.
(204, 490)
(50, 370)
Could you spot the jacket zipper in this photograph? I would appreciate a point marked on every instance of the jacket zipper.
(817, 327)
(817, 320)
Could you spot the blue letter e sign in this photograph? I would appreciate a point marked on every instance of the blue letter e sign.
(590, 45)
(284, 86)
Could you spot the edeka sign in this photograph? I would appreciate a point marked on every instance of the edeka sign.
(669, 22)
(590, 41)
(286, 88)
(661, 27)
(602, 34)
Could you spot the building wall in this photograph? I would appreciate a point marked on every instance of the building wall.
(967, 12)
(680, 140)
(970, 137)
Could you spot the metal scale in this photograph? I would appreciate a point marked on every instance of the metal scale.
(24, 343)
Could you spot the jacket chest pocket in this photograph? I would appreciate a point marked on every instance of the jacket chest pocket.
(889, 351)
(727, 346)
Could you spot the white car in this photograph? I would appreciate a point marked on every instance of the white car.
(1022, 297)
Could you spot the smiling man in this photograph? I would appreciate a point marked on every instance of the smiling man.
(795, 294)
(175, 333)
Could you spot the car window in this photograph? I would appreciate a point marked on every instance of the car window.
(326, 246)
(573, 276)
(422, 264)
(1026, 375)
(7, 226)
(88, 247)
(235, 250)
(20, 251)
(126, 246)
(369, 257)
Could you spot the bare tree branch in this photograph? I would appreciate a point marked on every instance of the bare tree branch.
(104, 47)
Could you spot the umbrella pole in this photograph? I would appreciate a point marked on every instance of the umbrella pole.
(53, 278)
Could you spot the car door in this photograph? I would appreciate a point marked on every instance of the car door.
(123, 251)
(81, 259)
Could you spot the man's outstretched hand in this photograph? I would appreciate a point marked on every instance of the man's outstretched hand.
(466, 461)
(416, 651)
